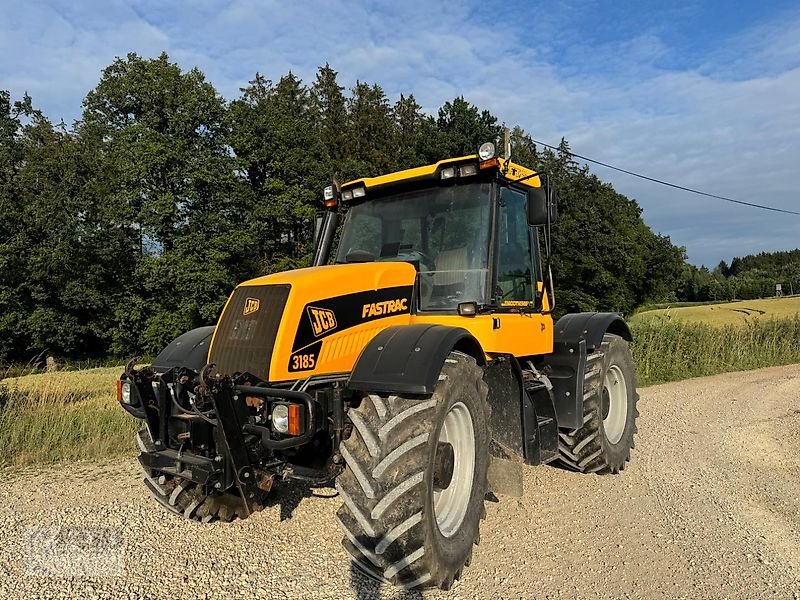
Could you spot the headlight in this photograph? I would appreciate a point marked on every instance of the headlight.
(448, 173)
(280, 418)
(468, 170)
(359, 192)
(486, 151)
(124, 395)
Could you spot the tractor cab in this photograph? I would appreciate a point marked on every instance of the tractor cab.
(474, 228)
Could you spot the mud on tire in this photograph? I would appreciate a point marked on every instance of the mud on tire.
(394, 461)
(603, 443)
(185, 498)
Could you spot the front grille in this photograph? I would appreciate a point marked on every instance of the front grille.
(245, 336)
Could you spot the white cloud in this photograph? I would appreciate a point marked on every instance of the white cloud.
(729, 122)
(56, 54)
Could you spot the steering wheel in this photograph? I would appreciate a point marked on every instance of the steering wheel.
(359, 256)
(516, 286)
(427, 260)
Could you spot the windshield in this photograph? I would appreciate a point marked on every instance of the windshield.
(443, 231)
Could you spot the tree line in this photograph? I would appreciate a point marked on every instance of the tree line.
(746, 278)
(133, 224)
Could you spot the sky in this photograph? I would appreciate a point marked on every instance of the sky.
(702, 94)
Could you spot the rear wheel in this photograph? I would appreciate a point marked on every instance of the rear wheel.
(415, 482)
(603, 443)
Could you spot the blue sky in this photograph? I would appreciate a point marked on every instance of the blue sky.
(703, 94)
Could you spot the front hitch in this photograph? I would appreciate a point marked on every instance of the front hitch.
(202, 425)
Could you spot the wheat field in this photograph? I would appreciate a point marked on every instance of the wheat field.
(69, 415)
(729, 313)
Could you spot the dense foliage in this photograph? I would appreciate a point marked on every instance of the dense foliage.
(748, 277)
(133, 224)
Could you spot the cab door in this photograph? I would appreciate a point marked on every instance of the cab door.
(523, 328)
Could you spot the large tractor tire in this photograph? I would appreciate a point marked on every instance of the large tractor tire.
(185, 498)
(414, 487)
(603, 443)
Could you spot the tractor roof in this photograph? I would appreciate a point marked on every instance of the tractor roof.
(433, 172)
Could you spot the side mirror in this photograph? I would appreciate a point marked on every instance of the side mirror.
(537, 206)
(542, 202)
(318, 220)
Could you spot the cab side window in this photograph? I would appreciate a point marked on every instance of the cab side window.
(514, 276)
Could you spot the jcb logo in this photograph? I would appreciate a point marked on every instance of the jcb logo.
(322, 320)
(251, 305)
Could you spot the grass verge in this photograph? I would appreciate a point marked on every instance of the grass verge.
(669, 350)
(68, 416)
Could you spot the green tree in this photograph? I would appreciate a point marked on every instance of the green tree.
(134, 225)
(329, 112)
(523, 148)
(409, 124)
(14, 338)
(276, 139)
(170, 178)
(371, 134)
(605, 257)
(58, 263)
(464, 127)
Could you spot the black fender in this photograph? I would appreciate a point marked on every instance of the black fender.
(591, 326)
(187, 350)
(577, 335)
(407, 359)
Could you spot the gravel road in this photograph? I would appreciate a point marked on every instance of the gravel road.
(709, 508)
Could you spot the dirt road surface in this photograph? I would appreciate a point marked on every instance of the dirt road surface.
(709, 508)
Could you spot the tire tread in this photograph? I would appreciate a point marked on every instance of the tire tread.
(582, 449)
(390, 526)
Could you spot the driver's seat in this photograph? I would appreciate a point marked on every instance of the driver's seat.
(450, 265)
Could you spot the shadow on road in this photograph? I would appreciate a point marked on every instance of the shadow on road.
(289, 495)
(367, 588)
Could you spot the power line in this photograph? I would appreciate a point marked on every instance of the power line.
(672, 185)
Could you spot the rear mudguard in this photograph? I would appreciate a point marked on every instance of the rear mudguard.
(577, 335)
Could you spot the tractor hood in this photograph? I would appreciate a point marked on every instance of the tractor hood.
(312, 321)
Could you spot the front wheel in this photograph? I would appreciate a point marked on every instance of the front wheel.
(603, 443)
(415, 482)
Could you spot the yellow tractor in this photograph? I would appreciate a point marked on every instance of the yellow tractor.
(416, 372)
